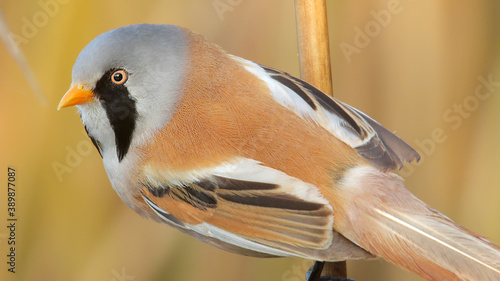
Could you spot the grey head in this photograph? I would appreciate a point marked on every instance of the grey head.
(135, 74)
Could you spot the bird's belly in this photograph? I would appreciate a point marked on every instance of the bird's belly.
(124, 178)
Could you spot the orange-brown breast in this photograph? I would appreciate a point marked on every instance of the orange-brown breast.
(227, 112)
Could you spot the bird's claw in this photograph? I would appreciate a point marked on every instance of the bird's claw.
(314, 274)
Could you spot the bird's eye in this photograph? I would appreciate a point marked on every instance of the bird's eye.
(119, 77)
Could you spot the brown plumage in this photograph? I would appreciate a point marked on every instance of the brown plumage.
(257, 162)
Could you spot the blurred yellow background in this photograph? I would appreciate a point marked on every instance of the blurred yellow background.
(425, 69)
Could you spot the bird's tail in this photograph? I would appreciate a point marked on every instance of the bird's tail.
(387, 220)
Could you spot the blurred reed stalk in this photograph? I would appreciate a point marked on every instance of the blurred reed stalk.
(17, 54)
(314, 61)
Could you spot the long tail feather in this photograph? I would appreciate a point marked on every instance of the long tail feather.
(388, 221)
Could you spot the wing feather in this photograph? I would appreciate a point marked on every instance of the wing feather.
(271, 214)
(371, 140)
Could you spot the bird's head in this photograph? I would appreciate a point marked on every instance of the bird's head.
(126, 83)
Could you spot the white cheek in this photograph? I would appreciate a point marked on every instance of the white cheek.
(120, 174)
(117, 171)
(97, 123)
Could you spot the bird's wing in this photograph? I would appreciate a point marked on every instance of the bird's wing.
(250, 206)
(371, 140)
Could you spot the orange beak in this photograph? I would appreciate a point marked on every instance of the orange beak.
(74, 96)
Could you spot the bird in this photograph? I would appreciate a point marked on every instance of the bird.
(257, 162)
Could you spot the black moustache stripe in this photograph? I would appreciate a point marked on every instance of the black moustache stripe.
(120, 110)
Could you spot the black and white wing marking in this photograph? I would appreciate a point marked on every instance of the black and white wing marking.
(372, 141)
(247, 207)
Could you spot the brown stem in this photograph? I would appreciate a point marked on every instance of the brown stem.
(312, 36)
(314, 60)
